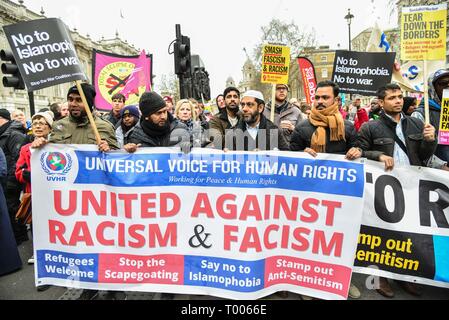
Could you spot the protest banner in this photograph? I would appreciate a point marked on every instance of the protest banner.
(443, 131)
(410, 75)
(129, 75)
(235, 225)
(275, 68)
(423, 32)
(405, 229)
(44, 53)
(308, 79)
(362, 72)
(423, 37)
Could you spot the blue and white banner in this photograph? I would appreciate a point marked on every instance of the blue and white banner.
(235, 225)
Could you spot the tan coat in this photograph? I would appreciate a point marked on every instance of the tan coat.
(67, 131)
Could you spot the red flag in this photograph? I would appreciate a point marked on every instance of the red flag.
(308, 79)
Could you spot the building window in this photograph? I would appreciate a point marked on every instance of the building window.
(324, 73)
(323, 58)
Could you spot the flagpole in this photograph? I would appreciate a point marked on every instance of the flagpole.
(89, 113)
(426, 94)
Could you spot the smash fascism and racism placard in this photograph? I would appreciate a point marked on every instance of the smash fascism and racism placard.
(275, 64)
(44, 53)
(234, 225)
(423, 32)
(443, 131)
(362, 72)
(405, 229)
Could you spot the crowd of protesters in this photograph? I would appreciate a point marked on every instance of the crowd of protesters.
(390, 129)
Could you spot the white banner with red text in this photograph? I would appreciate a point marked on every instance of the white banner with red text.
(236, 225)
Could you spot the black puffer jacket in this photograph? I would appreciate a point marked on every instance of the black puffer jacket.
(11, 140)
(178, 133)
(376, 138)
(302, 136)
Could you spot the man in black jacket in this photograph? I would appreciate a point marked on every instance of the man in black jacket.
(325, 130)
(157, 127)
(254, 131)
(12, 137)
(395, 138)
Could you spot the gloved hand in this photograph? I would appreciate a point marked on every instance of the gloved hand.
(26, 174)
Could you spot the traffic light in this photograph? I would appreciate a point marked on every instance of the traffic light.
(183, 63)
(15, 79)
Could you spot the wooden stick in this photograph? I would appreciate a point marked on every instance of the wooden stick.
(89, 113)
(273, 102)
(426, 94)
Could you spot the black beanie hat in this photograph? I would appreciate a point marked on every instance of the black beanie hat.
(89, 92)
(150, 102)
(4, 113)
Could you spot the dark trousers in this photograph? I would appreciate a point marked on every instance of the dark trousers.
(12, 201)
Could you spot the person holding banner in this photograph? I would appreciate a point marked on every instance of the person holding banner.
(438, 81)
(157, 127)
(76, 128)
(254, 131)
(326, 131)
(395, 138)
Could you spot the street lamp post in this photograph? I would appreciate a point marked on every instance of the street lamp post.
(348, 18)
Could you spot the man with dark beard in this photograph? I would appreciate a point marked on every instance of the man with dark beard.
(76, 128)
(157, 127)
(254, 131)
(226, 119)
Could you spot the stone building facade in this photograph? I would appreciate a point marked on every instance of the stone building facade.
(10, 13)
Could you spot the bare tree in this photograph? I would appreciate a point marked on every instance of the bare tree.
(169, 85)
(288, 34)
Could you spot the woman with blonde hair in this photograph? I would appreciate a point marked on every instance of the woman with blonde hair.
(185, 112)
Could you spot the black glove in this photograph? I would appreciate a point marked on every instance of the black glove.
(26, 174)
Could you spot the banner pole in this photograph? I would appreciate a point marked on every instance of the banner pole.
(273, 102)
(89, 113)
(426, 94)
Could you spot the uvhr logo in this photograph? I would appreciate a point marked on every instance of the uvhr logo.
(56, 165)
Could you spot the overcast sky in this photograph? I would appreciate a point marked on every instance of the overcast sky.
(218, 30)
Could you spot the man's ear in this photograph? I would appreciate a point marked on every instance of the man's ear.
(261, 107)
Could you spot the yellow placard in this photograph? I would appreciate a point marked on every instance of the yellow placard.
(275, 64)
(423, 32)
(443, 132)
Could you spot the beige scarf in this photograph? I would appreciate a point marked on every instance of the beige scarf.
(329, 117)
